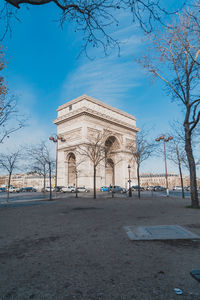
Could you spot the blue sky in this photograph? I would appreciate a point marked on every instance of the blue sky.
(44, 72)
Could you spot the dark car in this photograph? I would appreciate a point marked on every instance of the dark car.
(58, 188)
(136, 188)
(27, 189)
(116, 189)
(159, 188)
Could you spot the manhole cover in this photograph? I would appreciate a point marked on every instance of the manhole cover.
(160, 232)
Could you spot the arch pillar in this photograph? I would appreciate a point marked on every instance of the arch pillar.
(71, 169)
(109, 172)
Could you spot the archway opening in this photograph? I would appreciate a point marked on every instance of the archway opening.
(112, 144)
(71, 169)
(110, 172)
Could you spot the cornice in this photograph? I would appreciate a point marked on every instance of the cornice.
(95, 101)
(93, 114)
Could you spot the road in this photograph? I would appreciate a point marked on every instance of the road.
(37, 196)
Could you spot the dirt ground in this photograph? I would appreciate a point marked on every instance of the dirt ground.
(78, 249)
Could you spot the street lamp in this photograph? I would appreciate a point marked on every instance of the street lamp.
(129, 181)
(55, 140)
(165, 140)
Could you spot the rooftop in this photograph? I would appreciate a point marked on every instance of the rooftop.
(95, 101)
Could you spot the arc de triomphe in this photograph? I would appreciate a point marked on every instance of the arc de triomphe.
(78, 122)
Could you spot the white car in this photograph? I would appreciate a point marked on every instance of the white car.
(13, 189)
(82, 189)
(177, 188)
(68, 189)
(47, 189)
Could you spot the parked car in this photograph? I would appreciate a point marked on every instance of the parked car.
(187, 188)
(27, 189)
(82, 189)
(59, 188)
(47, 189)
(13, 189)
(117, 189)
(136, 187)
(177, 188)
(150, 188)
(3, 189)
(104, 189)
(159, 188)
(68, 189)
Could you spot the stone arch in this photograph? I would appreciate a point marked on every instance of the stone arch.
(112, 143)
(71, 161)
(110, 172)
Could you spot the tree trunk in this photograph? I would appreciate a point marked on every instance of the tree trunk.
(44, 183)
(94, 182)
(8, 190)
(181, 176)
(138, 178)
(50, 195)
(192, 167)
(180, 171)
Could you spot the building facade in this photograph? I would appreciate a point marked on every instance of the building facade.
(149, 179)
(27, 180)
(79, 123)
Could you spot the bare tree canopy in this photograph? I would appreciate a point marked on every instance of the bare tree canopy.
(141, 150)
(3, 88)
(8, 107)
(41, 162)
(9, 163)
(96, 151)
(94, 18)
(175, 59)
(8, 112)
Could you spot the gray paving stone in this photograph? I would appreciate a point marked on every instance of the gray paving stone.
(159, 232)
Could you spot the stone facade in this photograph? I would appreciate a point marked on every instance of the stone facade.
(149, 179)
(26, 180)
(78, 123)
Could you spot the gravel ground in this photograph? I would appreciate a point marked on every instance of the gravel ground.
(77, 249)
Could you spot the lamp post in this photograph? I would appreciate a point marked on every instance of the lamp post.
(129, 181)
(55, 140)
(165, 140)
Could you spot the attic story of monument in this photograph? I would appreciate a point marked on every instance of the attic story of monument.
(79, 123)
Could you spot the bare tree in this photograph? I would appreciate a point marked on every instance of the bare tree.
(176, 61)
(36, 157)
(3, 87)
(141, 150)
(177, 154)
(8, 107)
(96, 151)
(93, 18)
(9, 162)
(76, 171)
(51, 166)
(176, 149)
(8, 112)
(42, 163)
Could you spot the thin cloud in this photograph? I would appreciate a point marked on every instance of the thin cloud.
(110, 78)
